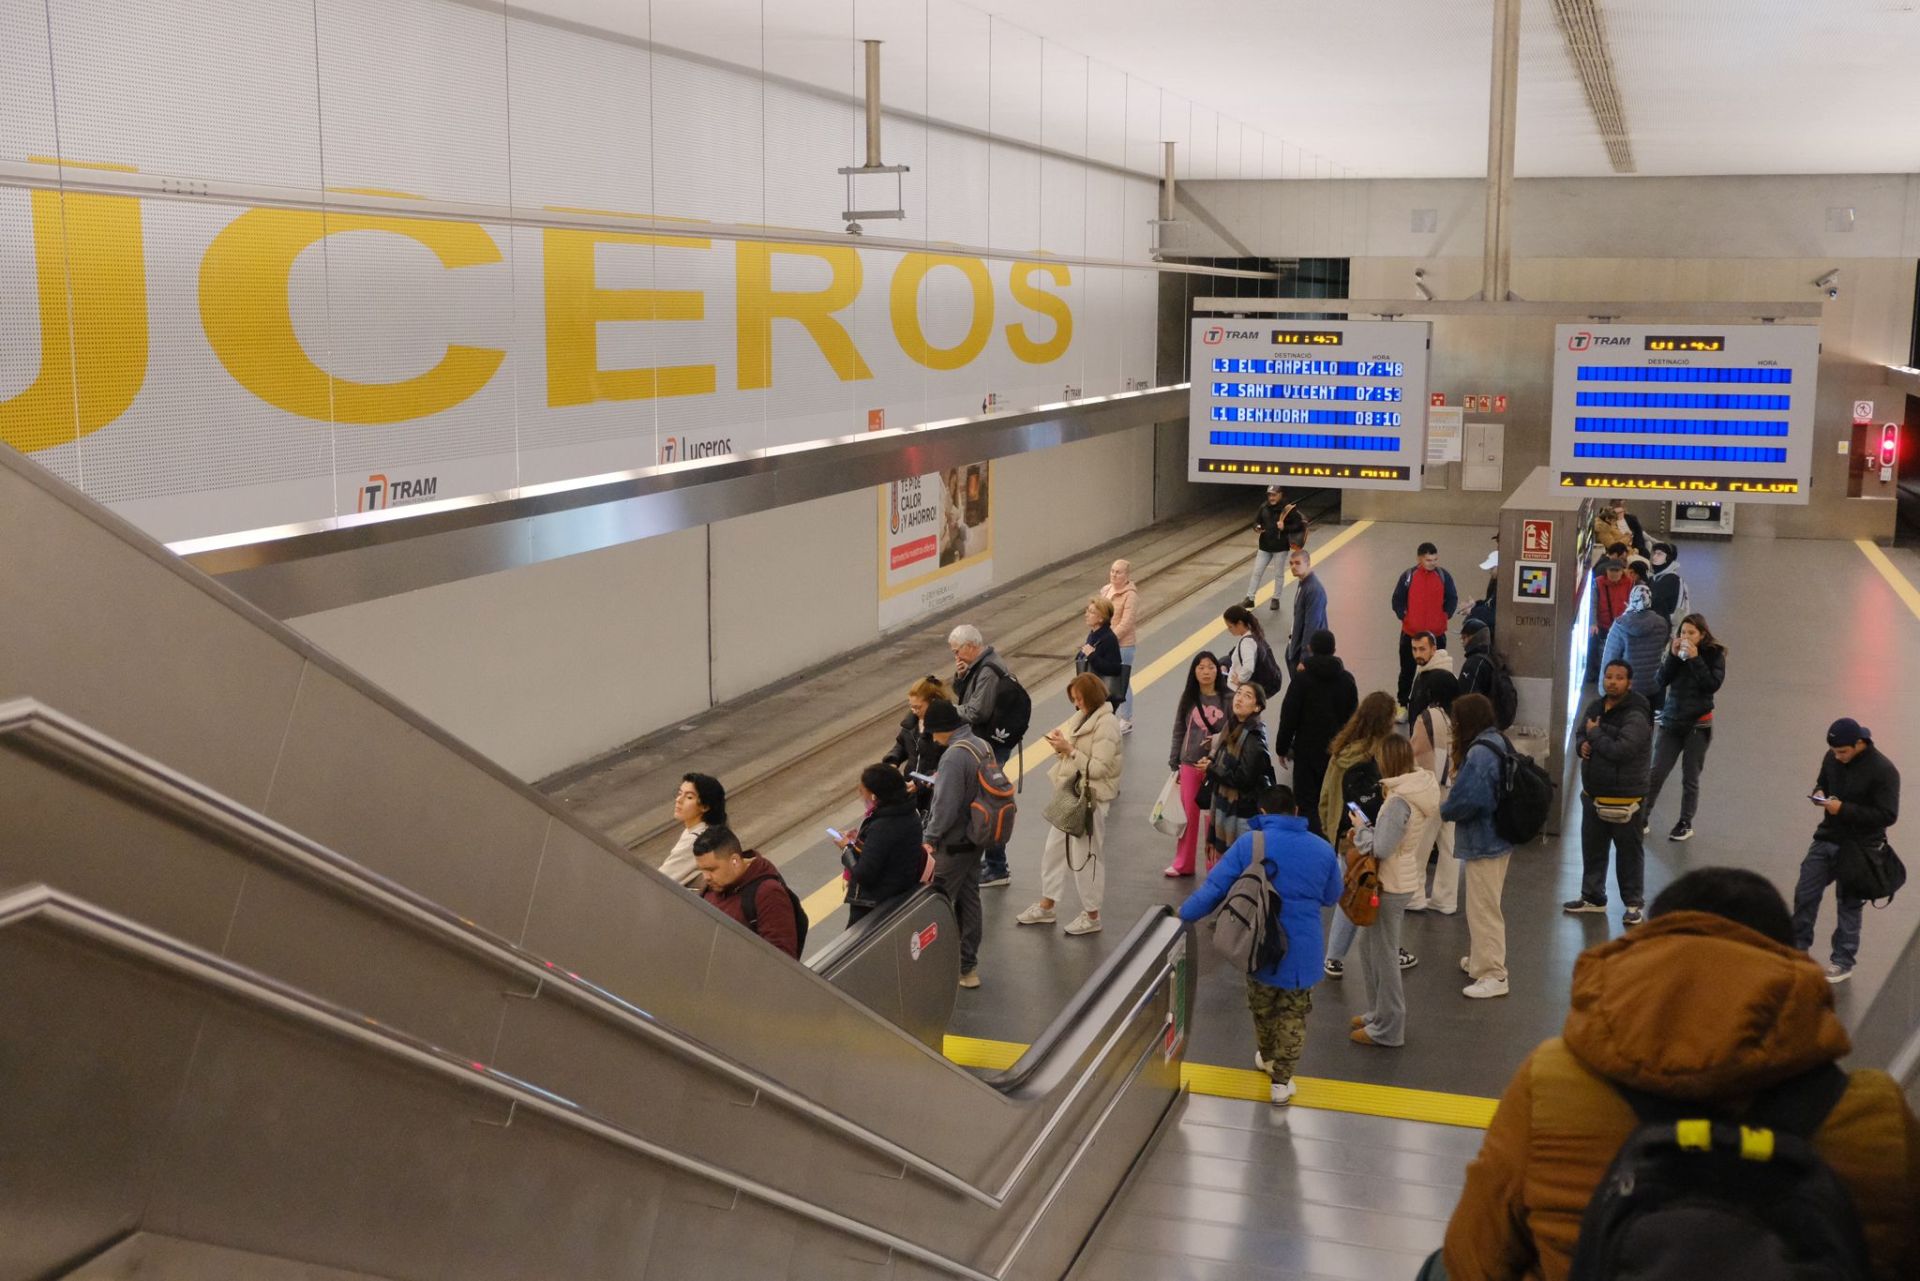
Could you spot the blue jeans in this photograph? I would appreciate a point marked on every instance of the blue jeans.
(1818, 870)
(1126, 704)
(993, 859)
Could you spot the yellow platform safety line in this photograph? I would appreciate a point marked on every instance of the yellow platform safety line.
(829, 896)
(1396, 1102)
(1902, 588)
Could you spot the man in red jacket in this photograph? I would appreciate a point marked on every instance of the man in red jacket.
(1612, 592)
(1424, 599)
(748, 888)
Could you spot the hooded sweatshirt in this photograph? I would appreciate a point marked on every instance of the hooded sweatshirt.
(1671, 600)
(1318, 702)
(1689, 1006)
(1408, 825)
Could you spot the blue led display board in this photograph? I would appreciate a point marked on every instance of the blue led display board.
(1340, 404)
(1686, 409)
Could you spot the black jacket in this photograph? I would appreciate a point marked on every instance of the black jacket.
(1274, 535)
(914, 752)
(886, 859)
(1869, 793)
(1622, 757)
(1687, 688)
(1105, 659)
(1320, 699)
(1246, 771)
(1477, 670)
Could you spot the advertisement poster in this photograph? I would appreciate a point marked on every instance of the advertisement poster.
(936, 542)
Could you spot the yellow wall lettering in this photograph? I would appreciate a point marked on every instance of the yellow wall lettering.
(1052, 306)
(759, 306)
(577, 305)
(905, 308)
(92, 279)
(244, 305)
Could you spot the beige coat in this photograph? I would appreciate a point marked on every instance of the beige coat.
(1402, 871)
(1126, 611)
(1095, 740)
(680, 866)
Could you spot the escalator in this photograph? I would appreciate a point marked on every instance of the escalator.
(297, 983)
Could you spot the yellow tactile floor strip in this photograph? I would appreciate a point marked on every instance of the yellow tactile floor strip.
(1392, 1101)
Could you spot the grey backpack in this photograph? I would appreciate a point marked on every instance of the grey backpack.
(1247, 930)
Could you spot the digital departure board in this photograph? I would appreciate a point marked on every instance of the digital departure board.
(1684, 409)
(1263, 407)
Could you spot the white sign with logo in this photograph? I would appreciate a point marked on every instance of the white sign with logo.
(936, 542)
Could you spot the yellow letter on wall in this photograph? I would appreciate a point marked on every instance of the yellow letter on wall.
(760, 306)
(92, 280)
(905, 300)
(1051, 305)
(576, 306)
(248, 316)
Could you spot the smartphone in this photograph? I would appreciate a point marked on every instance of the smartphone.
(1816, 798)
(918, 777)
(1359, 815)
(835, 835)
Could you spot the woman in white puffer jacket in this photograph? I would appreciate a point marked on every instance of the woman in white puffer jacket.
(1400, 838)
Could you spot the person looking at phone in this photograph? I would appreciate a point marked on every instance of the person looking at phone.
(1615, 741)
(1690, 675)
(1858, 795)
(956, 860)
(914, 751)
(1409, 824)
(884, 859)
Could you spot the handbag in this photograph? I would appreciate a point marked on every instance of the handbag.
(1873, 875)
(1616, 809)
(1071, 809)
(1168, 816)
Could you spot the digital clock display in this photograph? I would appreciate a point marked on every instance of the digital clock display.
(1686, 342)
(1308, 337)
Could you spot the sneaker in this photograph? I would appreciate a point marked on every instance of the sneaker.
(1634, 915)
(1246, 602)
(1280, 1095)
(1259, 1064)
(1083, 924)
(1575, 906)
(1839, 973)
(1172, 871)
(1407, 959)
(1400, 711)
(993, 880)
(1484, 988)
(1417, 906)
(1036, 915)
(1274, 604)
(1359, 1037)
(1335, 969)
(1682, 831)
(1465, 966)
(969, 978)
(1126, 727)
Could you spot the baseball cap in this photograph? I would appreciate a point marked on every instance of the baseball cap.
(1846, 731)
(941, 717)
(1492, 561)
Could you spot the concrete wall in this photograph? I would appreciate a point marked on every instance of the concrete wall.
(1629, 239)
(545, 666)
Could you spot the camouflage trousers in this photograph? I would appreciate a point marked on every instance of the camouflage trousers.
(1279, 1025)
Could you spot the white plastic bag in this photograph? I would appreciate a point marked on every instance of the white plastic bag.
(1169, 816)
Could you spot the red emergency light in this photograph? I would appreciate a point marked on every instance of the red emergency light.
(1889, 444)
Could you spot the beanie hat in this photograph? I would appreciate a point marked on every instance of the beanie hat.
(942, 717)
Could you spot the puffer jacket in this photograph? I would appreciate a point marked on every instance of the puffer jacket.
(1689, 1006)
(1126, 611)
(1408, 825)
(1622, 757)
(1095, 739)
(1638, 636)
(1686, 687)
(1474, 795)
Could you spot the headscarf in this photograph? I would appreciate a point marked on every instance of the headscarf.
(1641, 597)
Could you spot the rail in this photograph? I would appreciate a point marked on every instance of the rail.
(47, 732)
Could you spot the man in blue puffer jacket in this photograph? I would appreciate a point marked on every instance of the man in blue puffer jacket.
(1306, 874)
(1638, 637)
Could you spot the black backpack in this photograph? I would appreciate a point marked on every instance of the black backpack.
(1524, 796)
(1360, 785)
(1504, 697)
(1266, 668)
(1692, 1196)
(1012, 710)
(749, 907)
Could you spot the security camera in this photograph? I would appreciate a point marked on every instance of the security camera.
(1420, 284)
(1829, 283)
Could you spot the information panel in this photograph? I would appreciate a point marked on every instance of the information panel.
(1340, 404)
(1686, 409)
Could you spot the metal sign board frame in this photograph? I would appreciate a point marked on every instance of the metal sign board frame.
(1338, 404)
(1686, 409)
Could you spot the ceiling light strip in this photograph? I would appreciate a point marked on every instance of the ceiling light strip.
(1585, 34)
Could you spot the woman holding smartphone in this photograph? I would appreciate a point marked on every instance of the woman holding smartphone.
(1088, 765)
(914, 751)
(1239, 768)
(1201, 715)
(885, 858)
(1407, 826)
(1691, 672)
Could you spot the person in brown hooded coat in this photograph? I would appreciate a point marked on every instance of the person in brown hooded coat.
(1707, 1002)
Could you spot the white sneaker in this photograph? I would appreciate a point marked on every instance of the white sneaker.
(1481, 989)
(1126, 727)
(1465, 965)
(1280, 1095)
(1259, 1064)
(1081, 924)
(1036, 915)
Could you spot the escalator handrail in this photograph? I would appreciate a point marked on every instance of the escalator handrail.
(236, 981)
(52, 732)
(855, 936)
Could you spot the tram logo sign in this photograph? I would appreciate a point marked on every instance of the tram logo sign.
(1586, 341)
(1214, 336)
